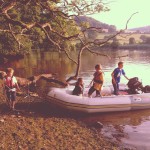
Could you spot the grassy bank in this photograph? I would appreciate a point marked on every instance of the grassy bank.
(39, 126)
(124, 37)
(135, 47)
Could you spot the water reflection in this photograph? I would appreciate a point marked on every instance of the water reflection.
(37, 63)
(136, 64)
(131, 128)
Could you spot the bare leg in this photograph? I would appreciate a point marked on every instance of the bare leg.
(13, 105)
(13, 100)
(9, 102)
(98, 94)
(91, 90)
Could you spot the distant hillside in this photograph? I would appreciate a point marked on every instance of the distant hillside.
(95, 23)
(145, 29)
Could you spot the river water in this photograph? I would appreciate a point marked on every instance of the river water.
(130, 128)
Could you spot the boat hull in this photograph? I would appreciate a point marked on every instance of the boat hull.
(63, 98)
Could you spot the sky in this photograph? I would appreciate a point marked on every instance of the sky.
(121, 11)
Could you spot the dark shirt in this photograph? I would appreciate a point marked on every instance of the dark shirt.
(117, 74)
(78, 89)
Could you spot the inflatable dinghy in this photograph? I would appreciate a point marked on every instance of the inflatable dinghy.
(107, 103)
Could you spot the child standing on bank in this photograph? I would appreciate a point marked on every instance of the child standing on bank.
(10, 86)
(97, 81)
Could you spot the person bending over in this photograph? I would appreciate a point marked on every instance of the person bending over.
(116, 76)
(78, 90)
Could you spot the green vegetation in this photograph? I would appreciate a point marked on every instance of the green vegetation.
(145, 29)
(38, 24)
(135, 41)
(132, 40)
(91, 22)
(126, 41)
(54, 25)
(124, 38)
(27, 25)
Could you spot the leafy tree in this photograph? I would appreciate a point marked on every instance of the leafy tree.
(132, 40)
(112, 29)
(143, 38)
(147, 40)
(115, 44)
(26, 24)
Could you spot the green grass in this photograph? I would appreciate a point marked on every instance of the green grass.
(124, 38)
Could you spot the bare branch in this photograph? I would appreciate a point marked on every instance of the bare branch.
(121, 56)
(130, 19)
(8, 31)
(98, 53)
(49, 38)
(85, 45)
(79, 7)
(67, 54)
(7, 6)
(54, 81)
(32, 80)
(16, 39)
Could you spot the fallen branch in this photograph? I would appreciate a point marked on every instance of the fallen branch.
(28, 81)
(31, 81)
(54, 81)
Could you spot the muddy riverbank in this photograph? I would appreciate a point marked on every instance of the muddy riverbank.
(38, 125)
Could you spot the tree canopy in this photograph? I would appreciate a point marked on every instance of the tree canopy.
(28, 24)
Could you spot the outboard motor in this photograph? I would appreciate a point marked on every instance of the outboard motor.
(134, 86)
(146, 89)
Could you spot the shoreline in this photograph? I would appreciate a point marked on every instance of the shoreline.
(41, 126)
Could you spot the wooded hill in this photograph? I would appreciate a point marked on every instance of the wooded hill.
(145, 29)
(95, 23)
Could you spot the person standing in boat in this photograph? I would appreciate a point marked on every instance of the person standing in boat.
(116, 76)
(97, 81)
(79, 86)
(10, 85)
